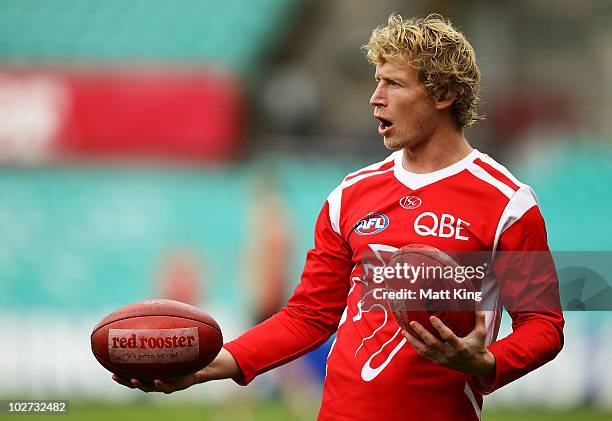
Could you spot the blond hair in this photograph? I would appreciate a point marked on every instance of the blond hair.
(443, 58)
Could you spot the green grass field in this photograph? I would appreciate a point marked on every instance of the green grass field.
(277, 412)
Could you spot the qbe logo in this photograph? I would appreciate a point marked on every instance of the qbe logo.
(445, 226)
(372, 223)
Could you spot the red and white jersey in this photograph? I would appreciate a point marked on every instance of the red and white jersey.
(372, 372)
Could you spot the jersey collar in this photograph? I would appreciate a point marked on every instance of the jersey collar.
(415, 181)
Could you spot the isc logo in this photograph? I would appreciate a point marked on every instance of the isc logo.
(372, 223)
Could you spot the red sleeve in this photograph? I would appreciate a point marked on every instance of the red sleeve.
(312, 313)
(529, 291)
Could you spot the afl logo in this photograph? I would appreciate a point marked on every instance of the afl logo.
(372, 223)
(410, 202)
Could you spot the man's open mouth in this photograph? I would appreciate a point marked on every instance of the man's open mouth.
(384, 123)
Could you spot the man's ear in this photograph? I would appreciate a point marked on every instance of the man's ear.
(445, 101)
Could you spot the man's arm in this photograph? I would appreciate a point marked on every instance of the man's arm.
(309, 319)
(312, 313)
(529, 291)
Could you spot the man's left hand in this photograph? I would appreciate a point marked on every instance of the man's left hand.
(468, 354)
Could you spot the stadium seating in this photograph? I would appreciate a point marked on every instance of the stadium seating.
(230, 33)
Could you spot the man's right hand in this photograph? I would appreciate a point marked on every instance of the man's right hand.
(224, 366)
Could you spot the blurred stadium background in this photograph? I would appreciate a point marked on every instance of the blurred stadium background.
(183, 150)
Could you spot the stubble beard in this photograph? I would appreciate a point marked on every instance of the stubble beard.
(398, 142)
(402, 140)
(392, 144)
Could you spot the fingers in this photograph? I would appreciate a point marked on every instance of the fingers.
(158, 385)
(445, 332)
(145, 387)
(480, 324)
(167, 388)
(419, 346)
(124, 382)
(425, 335)
(480, 319)
(460, 354)
(134, 384)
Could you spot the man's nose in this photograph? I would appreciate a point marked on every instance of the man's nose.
(378, 98)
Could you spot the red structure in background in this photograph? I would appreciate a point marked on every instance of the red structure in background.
(123, 114)
(518, 111)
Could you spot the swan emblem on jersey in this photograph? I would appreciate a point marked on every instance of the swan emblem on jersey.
(365, 305)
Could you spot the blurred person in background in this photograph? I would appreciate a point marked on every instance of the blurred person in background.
(426, 94)
(181, 277)
(269, 249)
(266, 272)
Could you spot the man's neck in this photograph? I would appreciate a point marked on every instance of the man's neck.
(440, 151)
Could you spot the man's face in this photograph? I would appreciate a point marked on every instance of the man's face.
(407, 115)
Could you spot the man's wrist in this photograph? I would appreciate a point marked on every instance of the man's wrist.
(486, 367)
(224, 366)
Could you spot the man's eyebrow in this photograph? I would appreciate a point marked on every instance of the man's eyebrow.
(387, 78)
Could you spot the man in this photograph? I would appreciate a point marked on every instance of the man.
(435, 190)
